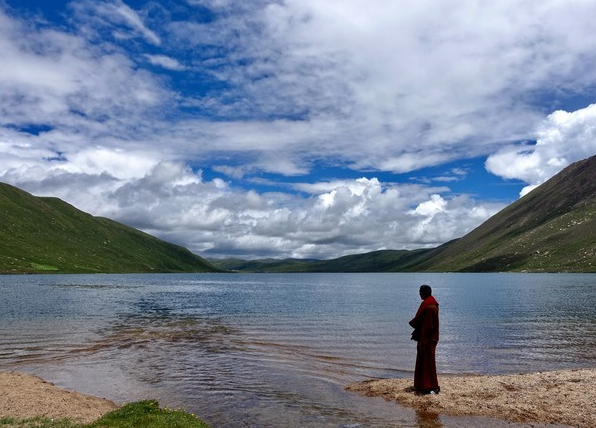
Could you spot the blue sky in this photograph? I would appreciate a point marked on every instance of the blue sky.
(295, 128)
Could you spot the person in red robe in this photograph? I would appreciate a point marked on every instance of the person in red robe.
(426, 333)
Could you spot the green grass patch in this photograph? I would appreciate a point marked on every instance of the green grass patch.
(43, 268)
(145, 414)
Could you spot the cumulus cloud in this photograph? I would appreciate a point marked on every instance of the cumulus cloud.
(215, 219)
(440, 219)
(562, 138)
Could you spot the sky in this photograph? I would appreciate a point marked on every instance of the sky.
(296, 128)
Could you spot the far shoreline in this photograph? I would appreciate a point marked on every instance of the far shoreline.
(550, 397)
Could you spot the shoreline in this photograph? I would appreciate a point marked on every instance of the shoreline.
(555, 397)
(563, 397)
(23, 396)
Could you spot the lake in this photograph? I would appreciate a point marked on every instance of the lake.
(277, 350)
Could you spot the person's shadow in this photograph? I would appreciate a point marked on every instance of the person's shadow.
(428, 420)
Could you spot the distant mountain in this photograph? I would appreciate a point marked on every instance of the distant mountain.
(48, 235)
(265, 265)
(376, 261)
(551, 229)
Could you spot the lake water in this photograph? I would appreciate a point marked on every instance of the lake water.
(277, 350)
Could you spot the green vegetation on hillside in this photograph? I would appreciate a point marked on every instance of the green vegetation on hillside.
(47, 235)
(146, 414)
(551, 229)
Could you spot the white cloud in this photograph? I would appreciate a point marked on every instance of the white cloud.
(372, 86)
(231, 171)
(129, 16)
(382, 86)
(116, 162)
(125, 21)
(562, 138)
(429, 208)
(165, 62)
(440, 220)
(58, 79)
(356, 187)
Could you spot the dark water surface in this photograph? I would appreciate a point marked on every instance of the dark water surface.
(277, 350)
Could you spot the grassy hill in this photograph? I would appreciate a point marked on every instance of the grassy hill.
(48, 235)
(551, 229)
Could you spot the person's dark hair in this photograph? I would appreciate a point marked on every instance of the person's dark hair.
(425, 290)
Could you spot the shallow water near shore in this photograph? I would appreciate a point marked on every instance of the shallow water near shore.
(277, 350)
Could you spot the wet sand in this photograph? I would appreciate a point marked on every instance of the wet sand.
(25, 396)
(561, 397)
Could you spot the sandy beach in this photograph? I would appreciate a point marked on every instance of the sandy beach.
(24, 396)
(561, 397)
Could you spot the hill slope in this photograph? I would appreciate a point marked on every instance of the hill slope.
(551, 229)
(48, 235)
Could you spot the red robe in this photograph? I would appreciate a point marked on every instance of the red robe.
(426, 332)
